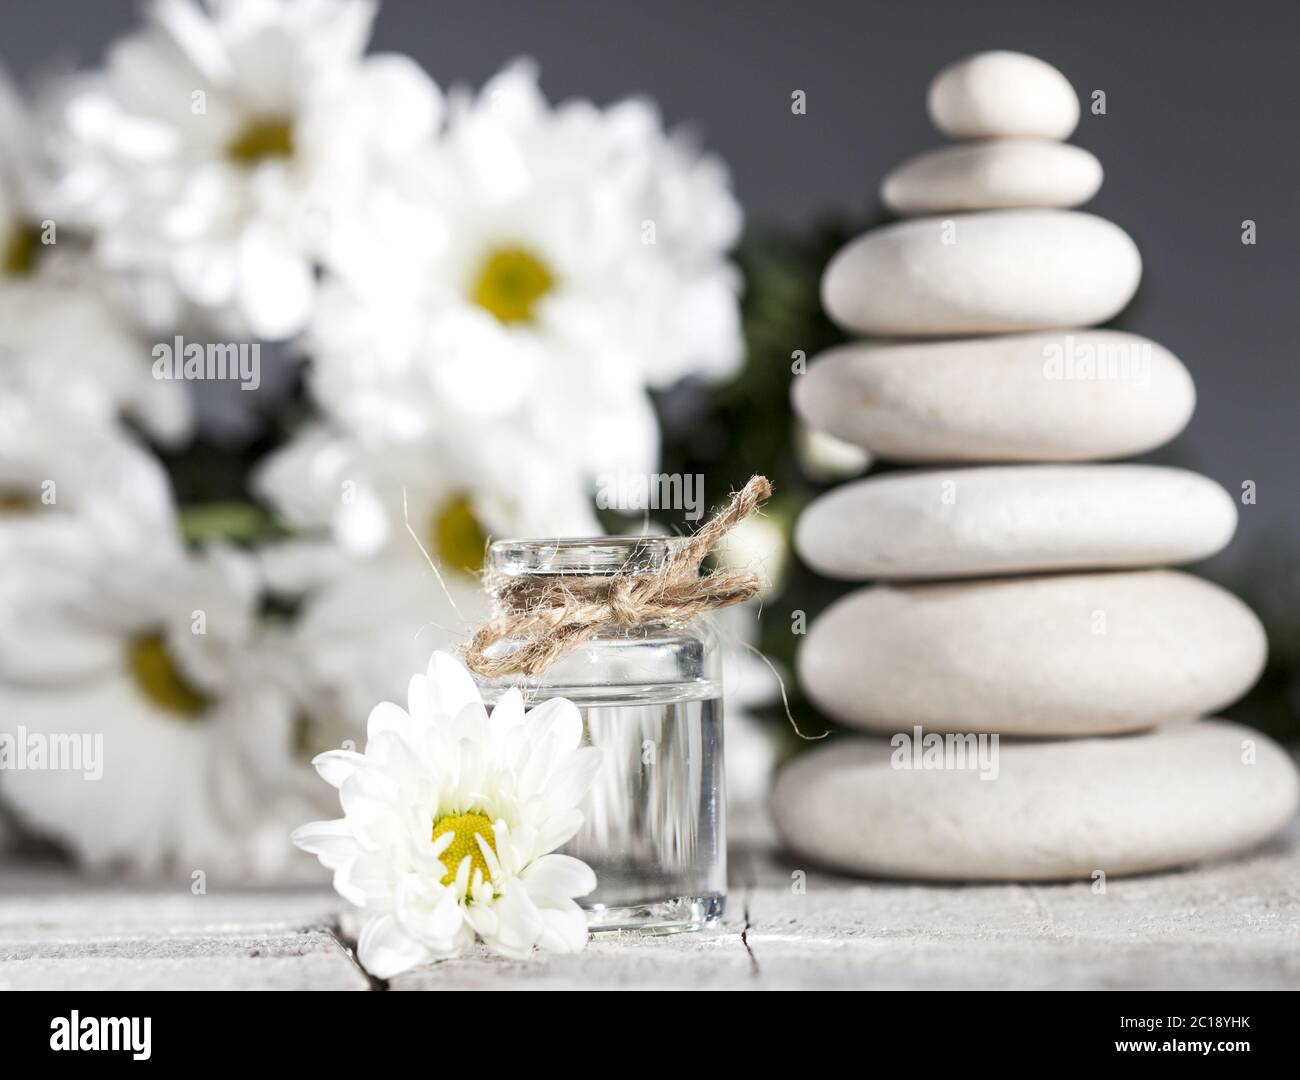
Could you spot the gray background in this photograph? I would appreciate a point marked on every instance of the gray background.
(1200, 134)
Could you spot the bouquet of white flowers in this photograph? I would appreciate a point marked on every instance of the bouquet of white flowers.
(280, 323)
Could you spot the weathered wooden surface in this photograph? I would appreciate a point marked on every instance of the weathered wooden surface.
(1233, 924)
(57, 932)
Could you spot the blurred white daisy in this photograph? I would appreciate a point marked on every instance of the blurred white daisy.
(451, 823)
(452, 494)
(64, 336)
(27, 180)
(541, 268)
(21, 176)
(157, 654)
(369, 521)
(65, 480)
(224, 140)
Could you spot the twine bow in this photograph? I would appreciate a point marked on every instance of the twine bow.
(551, 616)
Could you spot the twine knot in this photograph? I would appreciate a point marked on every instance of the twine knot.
(623, 606)
(549, 616)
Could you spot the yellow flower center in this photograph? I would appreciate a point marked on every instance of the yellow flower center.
(260, 139)
(509, 284)
(19, 250)
(160, 682)
(16, 504)
(458, 539)
(465, 828)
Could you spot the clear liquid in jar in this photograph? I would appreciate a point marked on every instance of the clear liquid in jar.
(655, 819)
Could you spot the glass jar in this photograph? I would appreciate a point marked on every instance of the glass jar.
(651, 701)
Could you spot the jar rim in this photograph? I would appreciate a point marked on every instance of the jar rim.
(587, 556)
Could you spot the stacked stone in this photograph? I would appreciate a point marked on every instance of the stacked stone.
(1048, 616)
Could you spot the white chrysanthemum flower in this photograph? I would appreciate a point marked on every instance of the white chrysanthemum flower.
(222, 143)
(539, 268)
(20, 220)
(157, 658)
(452, 818)
(63, 333)
(452, 495)
(374, 609)
(66, 481)
(26, 178)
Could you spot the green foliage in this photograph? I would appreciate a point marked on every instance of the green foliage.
(234, 522)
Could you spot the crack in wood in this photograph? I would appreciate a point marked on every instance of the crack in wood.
(335, 930)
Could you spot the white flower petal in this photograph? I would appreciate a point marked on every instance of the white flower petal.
(373, 785)
(558, 877)
(482, 918)
(490, 856)
(428, 911)
(275, 287)
(335, 766)
(559, 719)
(451, 687)
(418, 701)
(520, 924)
(385, 949)
(507, 717)
(195, 36)
(404, 104)
(365, 881)
(332, 838)
(389, 717)
(569, 784)
(446, 918)
(373, 823)
(538, 766)
(470, 725)
(559, 829)
(391, 753)
(565, 928)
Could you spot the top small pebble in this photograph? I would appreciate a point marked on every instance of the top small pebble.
(1001, 95)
